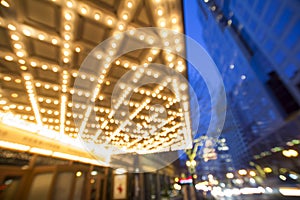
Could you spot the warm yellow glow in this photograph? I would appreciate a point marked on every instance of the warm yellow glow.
(69, 4)
(17, 46)
(66, 60)
(15, 37)
(97, 16)
(242, 172)
(78, 174)
(289, 191)
(20, 54)
(125, 16)
(41, 37)
(15, 146)
(121, 27)
(68, 16)
(290, 153)
(54, 41)
(5, 3)
(77, 49)
(162, 23)
(109, 21)
(229, 175)
(174, 20)
(160, 12)
(252, 173)
(40, 151)
(23, 67)
(67, 27)
(9, 58)
(83, 10)
(11, 27)
(14, 95)
(129, 4)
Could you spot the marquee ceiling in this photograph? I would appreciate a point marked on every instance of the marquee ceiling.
(43, 44)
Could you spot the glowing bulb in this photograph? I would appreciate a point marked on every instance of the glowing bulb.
(66, 60)
(109, 21)
(67, 27)
(15, 37)
(83, 10)
(69, 4)
(8, 58)
(97, 16)
(174, 20)
(54, 41)
(5, 4)
(20, 54)
(125, 16)
(11, 27)
(162, 23)
(160, 12)
(129, 4)
(67, 37)
(41, 37)
(68, 16)
(77, 49)
(121, 27)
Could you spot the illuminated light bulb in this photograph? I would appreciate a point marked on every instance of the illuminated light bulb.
(129, 4)
(150, 59)
(41, 37)
(68, 16)
(44, 67)
(126, 65)
(20, 54)
(107, 82)
(9, 58)
(11, 27)
(118, 62)
(14, 37)
(5, 3)
(243, 77)
(67, 27)
(23, 67)
(160, 12)
(83, 10)
(54, 41)
(174, 20)
(121, 27)
(109, 21)
(125, 16)
(69, 4)
(21, 61)
(18, 81)
(54, 69)
(180, 68)
(66, 53)
(67, 37)
(97, 16)
(33, 64)
(162, 23)
(77, 49)
(66, 45)
(7, 78)
(142, 37)
(66, 60)
(169, 58)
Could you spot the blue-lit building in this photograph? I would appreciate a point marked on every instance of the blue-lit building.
(254, 45)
